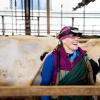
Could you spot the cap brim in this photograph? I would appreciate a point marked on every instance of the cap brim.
(77, 32)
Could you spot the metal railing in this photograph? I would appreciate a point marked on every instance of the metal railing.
(15, 25)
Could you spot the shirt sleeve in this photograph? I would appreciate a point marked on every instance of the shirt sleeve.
(47, 69)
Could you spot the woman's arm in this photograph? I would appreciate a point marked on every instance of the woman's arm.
(47, 69)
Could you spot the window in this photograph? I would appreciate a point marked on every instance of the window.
(34, 4)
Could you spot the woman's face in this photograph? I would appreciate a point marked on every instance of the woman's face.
(71, 42)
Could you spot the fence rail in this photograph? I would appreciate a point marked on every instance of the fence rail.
(11, 91)
(16, 23)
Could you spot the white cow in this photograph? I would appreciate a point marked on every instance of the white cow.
(20, 58)
(93, 50)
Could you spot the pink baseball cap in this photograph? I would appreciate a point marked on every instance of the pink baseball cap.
(65, 31)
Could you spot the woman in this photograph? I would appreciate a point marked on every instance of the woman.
(67, 64)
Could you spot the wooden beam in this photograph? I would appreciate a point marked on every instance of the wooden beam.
(49, 90)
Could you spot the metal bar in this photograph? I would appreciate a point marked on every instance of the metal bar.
(48, 16)
(72, 21)
(27, 17)
(3, 27)
(49, 90)
(16, 15)
(32, 9)
(38, 18)
(12, 15)
(22, 8)
(61, 16)
(84, 20)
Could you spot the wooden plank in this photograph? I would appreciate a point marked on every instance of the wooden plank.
(49, 90)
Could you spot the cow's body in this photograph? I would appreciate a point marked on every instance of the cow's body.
(20, 58)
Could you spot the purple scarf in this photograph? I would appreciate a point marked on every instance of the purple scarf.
(65, 63)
